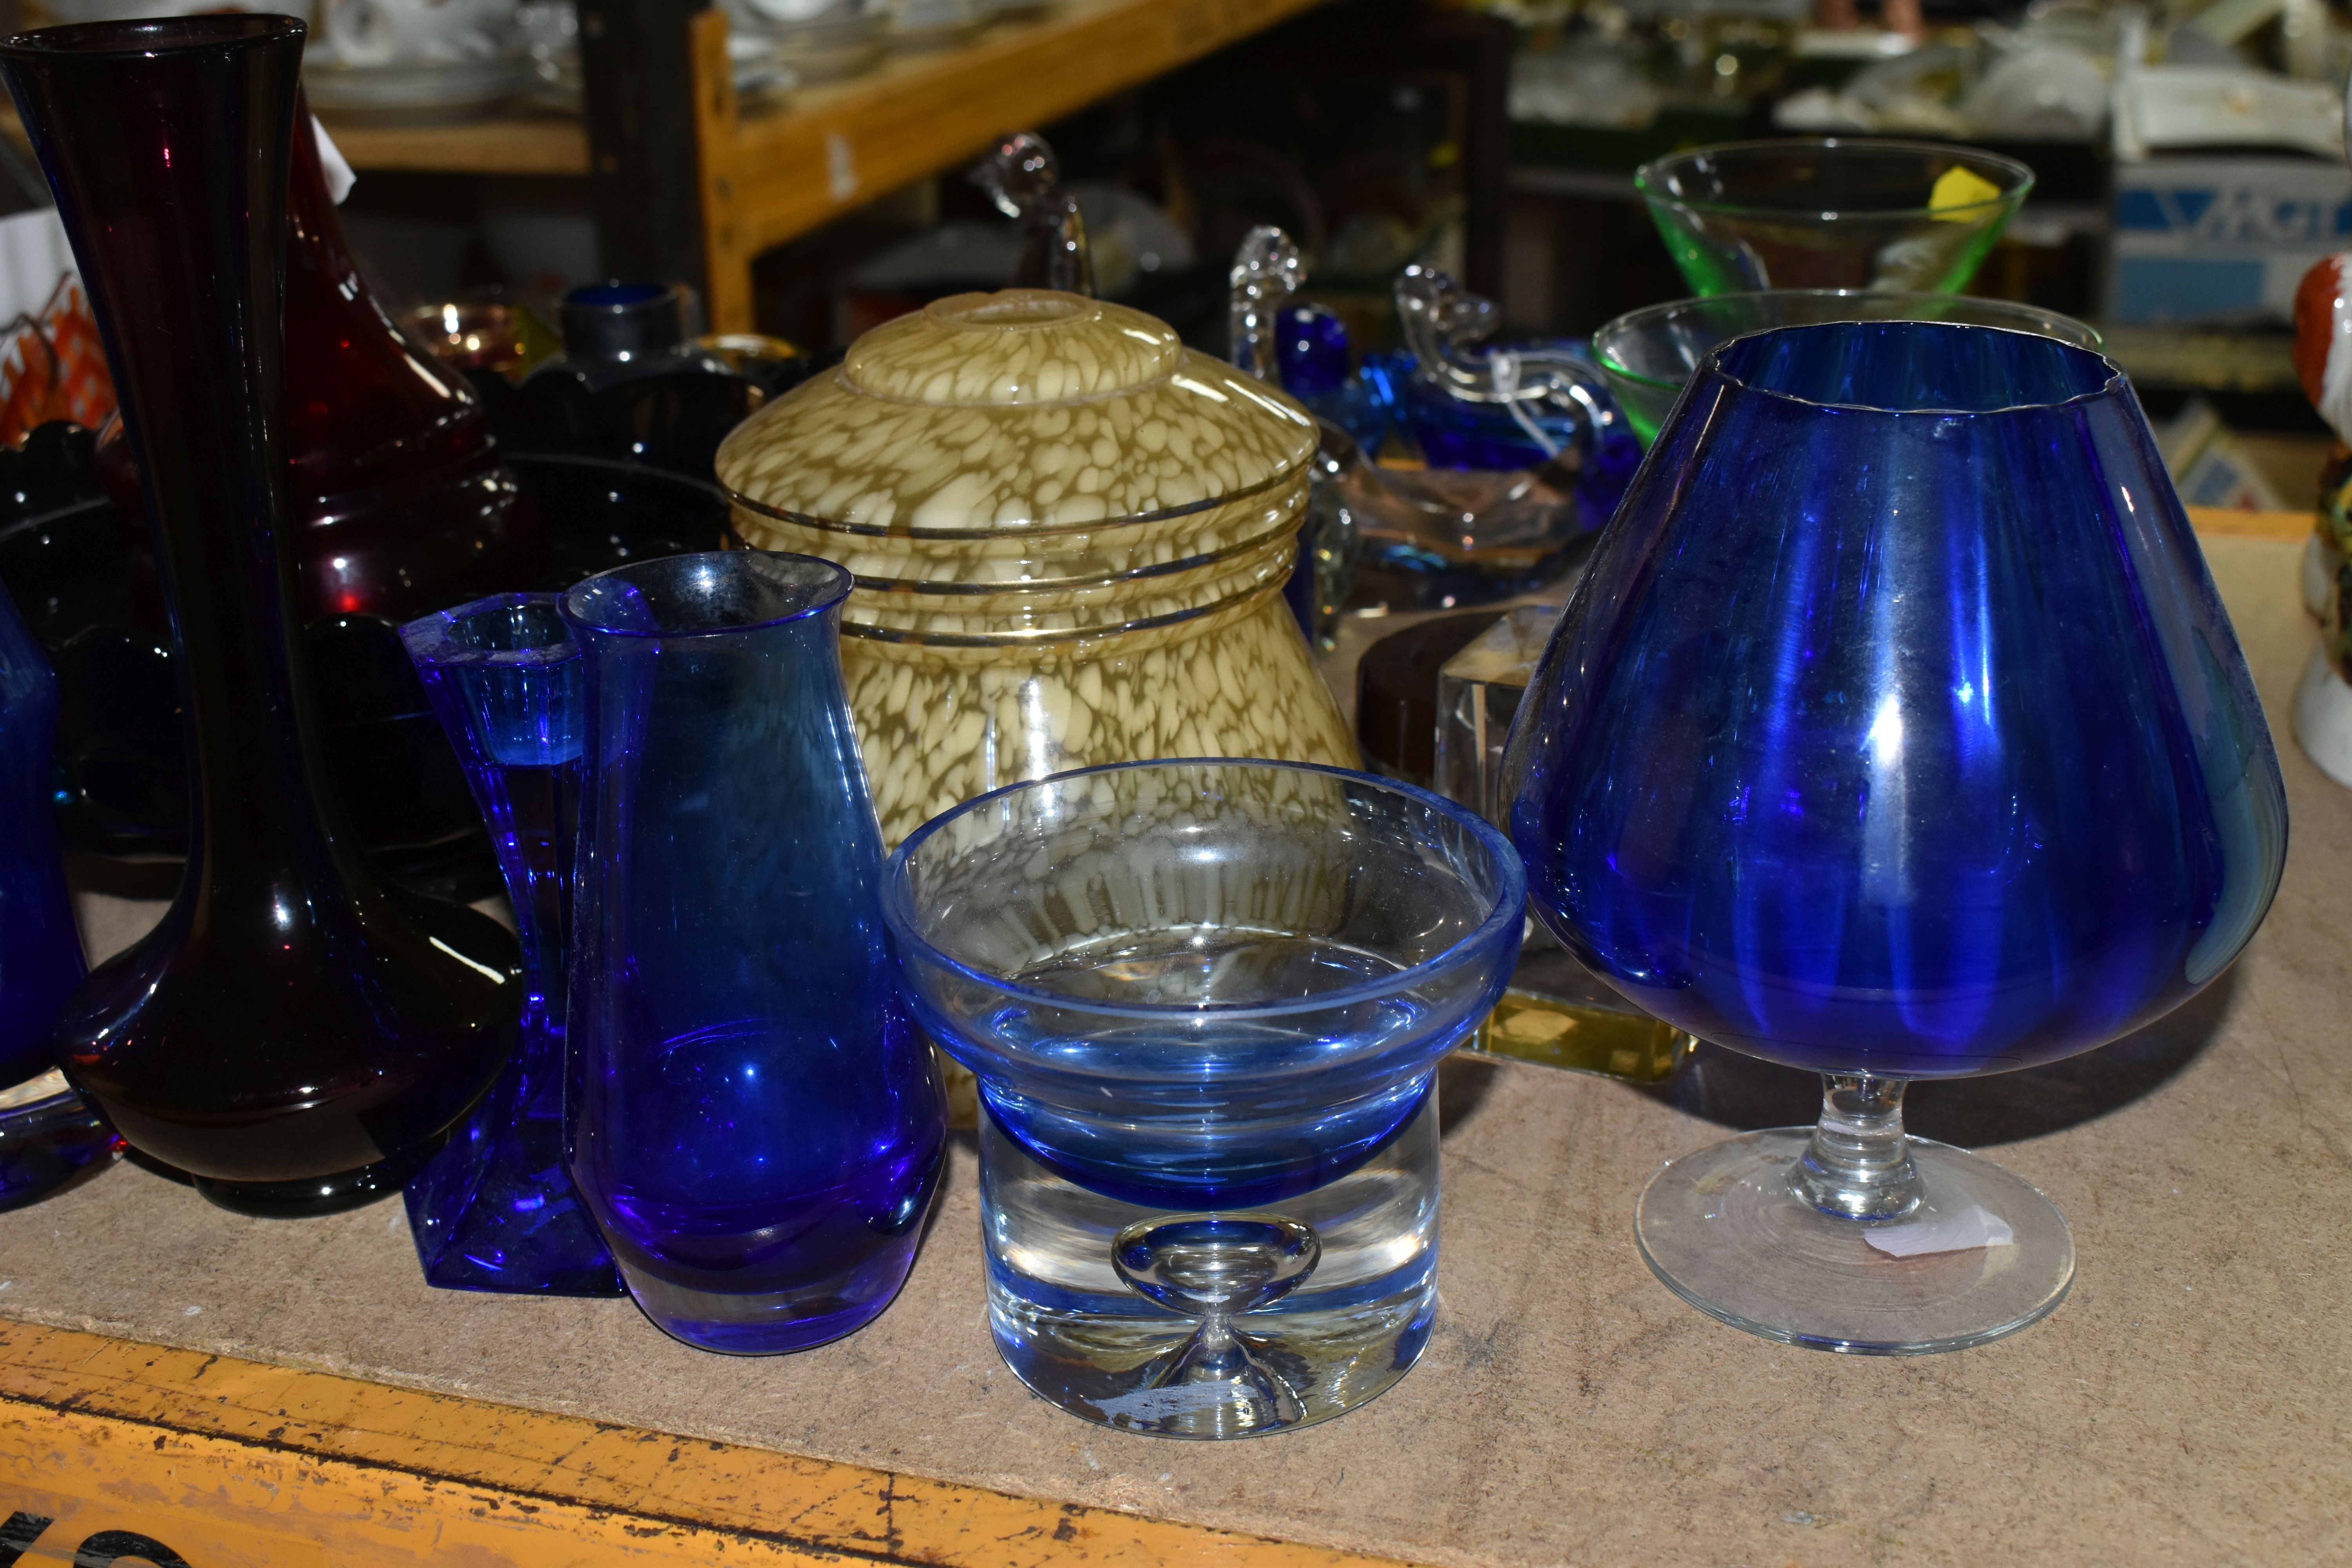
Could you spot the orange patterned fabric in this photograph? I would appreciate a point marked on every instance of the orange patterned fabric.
(54, 367)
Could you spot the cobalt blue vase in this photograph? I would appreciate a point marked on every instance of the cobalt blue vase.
(1895, 730)
(494, 1210)
(754, 1123)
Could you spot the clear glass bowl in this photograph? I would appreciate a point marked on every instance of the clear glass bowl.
(1207, 988)
(1648, 354)
(1831, 214)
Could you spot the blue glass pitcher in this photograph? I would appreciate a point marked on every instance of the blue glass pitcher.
(753, 1121)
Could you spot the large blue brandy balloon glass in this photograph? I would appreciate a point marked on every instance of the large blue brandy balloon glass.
(1896, 730)
(754, 1123)
(494, 1210)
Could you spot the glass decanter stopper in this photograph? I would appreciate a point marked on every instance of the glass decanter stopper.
(1216, 1270)
(1023, 178)
(495, 1209)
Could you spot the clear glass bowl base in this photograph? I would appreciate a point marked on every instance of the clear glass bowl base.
(1080, 1338)
(1726, 1233)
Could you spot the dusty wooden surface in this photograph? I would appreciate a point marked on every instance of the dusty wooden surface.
(2186, 1405)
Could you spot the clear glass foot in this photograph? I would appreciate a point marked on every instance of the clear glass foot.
(1851, 1236)
(1221, 1381)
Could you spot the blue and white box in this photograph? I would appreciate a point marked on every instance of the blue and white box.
(2223, 241)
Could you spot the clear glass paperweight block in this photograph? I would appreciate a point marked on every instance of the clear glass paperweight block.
(1555, 1012)
(1478, 692)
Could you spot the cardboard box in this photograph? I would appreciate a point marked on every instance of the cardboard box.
(2222, 240)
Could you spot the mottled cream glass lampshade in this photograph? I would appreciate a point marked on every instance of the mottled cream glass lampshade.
(1070, 535)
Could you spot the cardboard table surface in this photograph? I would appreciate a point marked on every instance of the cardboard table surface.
(2188, 1405)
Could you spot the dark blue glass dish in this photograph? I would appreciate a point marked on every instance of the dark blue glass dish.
(1897, 731)
(494, 1210)
(47, 1133)
(754, 1123)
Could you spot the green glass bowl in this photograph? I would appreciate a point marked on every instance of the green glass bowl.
(1831, 214)
(1646, 355)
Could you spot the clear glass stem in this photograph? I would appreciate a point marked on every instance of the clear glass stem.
(1859, 1163)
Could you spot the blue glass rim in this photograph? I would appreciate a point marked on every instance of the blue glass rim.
(617, 294)
(825, 594)
(1607, 337)
(1648, 178)
(1711, 368)
(430, 643)
(1510, 910)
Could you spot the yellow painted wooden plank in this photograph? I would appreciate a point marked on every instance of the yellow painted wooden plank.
(208, 1503)
(250, 1457)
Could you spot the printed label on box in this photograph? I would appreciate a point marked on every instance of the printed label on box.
(2223, 239)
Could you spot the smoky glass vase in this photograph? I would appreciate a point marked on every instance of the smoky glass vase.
(754, 1123)
(1896, 730)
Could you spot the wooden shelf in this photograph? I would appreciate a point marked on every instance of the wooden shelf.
(767, 178)
(771, 178)
(542, 144)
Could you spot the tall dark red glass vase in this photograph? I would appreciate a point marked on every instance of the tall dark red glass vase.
(293, 1035)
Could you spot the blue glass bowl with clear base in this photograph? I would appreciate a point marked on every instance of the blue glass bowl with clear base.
(1206, 1001)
